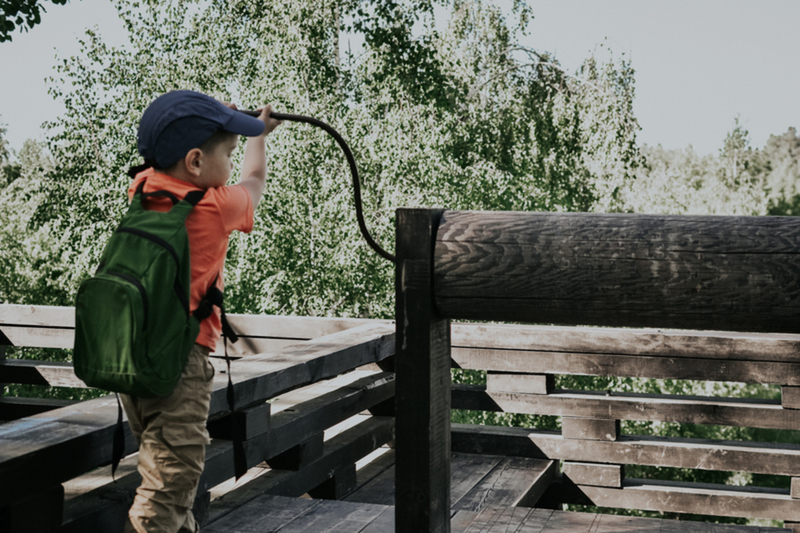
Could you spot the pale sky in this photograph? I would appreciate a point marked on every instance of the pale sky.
(699, 63)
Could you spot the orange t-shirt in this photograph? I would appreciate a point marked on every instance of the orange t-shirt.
(222, 210)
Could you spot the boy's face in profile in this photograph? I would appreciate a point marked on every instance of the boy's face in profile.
(216, 164)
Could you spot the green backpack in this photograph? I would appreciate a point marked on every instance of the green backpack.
(133, 325)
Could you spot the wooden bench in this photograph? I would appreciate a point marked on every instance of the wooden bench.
(728, 287)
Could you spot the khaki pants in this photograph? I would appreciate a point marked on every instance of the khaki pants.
(172, 436)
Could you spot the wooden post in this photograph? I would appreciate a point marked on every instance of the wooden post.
(422, 479)
(3, 343)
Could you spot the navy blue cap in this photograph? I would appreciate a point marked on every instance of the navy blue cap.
(178, 121)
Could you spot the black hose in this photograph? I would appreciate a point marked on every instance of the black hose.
(353, 170)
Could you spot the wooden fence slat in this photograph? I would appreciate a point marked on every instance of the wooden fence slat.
(628, 366)
(697, 498)
(728, 345)
(649, 407)
(704, 454)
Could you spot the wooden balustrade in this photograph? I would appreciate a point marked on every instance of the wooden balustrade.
(286, 399)
(731, 287)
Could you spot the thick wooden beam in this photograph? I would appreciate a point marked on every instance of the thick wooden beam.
(595, 474)
(423, 381)
(31, 372)
(703, 454)
(743, 412)
(13, 408)
(589, 428)
(696, 498)
(695, 272)
(728, 345)
(641, 366)
(519, 382)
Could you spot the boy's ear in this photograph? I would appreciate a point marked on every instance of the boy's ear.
(193, 160)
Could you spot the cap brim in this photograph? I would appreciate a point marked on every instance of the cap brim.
(246, 125)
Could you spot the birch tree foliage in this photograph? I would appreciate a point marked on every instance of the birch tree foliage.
(461, 117)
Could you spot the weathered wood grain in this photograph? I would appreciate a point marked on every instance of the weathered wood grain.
(30, 372)
(727, 273)
(697, 498)
(639, 366)
(629, 406)
(589, 428)
(704, 454)
(422, 365)
(527, 383)
(790, 397)
(53, 327)
(32, 449)
(13, 408)
(728, 345)
(515, 481)
(595, 474)
(345, 448)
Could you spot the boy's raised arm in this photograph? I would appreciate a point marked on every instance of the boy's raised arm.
(254, 169)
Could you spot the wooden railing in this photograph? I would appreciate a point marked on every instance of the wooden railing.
(735, 275)
(286, 400)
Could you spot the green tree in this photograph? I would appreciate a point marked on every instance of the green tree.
(462, 119)
(19, 14)
(782, 173)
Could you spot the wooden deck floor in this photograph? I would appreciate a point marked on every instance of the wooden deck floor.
(272, 514)
(489, 494)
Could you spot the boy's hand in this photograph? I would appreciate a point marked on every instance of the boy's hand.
(270, 122)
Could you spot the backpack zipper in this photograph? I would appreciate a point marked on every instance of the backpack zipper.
(167, 246)
(136, 283)
(155, 238)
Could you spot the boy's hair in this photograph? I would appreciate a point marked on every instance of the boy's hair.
(219, 137)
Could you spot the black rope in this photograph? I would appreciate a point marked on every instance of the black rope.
(353, 170)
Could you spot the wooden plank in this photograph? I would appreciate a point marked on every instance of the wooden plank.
(260, 377)
(422, 364)
(790, 397)
(515, 481)
(728, 345)
(347, 447)
(591, 404)
(31, 372)
(341, 483)
(704, 454)
(596, 474)
(466, 472)
(266, 514)
(382, 524)
(334, 516)
(379, 490)
(33, 448)
(13, 408)
(659, 367)
(589, 428)
(277, 326)
(250, 423)
(632, 270)
(519, 382)
(298, 456)
(697, 498)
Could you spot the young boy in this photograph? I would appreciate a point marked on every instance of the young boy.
(188, 139)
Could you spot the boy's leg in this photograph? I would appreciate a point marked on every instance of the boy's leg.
(172, 449)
